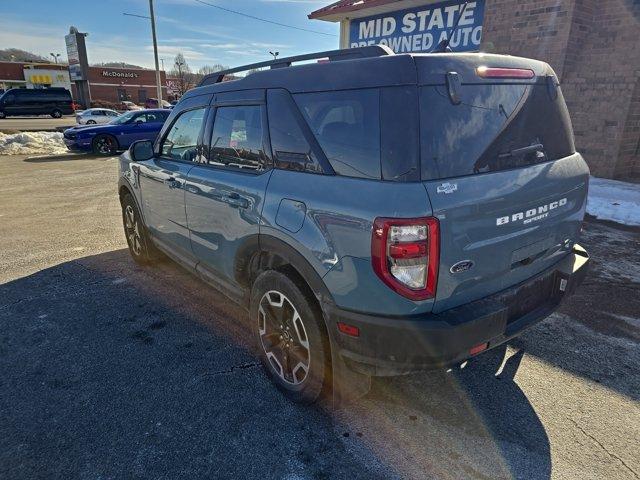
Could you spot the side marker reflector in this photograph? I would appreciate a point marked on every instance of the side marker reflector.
(478, 348)
(347, 329)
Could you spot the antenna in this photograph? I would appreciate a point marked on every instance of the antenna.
(443, 46)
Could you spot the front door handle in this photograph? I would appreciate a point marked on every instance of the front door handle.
(171, 182)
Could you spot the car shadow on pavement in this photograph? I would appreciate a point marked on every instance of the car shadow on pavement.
(595, 333)
(64, 157)
(465, 423)
(109, 369)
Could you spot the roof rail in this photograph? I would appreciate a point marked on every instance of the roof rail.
(332, 55)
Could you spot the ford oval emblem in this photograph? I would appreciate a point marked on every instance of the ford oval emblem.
(461, 266)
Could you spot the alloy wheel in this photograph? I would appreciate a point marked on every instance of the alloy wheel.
(133, 230)
(283, 338)
(104, 145)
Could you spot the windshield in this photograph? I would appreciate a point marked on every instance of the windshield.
(124, 118)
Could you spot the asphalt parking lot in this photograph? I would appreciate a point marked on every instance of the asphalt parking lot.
(109, 370)
(40, 122)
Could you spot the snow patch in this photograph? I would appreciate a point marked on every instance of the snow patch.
(32, 143)
(614, 200)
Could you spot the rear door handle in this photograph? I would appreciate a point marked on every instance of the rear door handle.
(236, 200)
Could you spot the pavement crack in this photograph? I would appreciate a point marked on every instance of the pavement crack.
(230, 370)
(597, 442)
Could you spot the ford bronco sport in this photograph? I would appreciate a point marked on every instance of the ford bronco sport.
(377, 214)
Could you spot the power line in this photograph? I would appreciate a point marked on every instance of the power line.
(264, 19)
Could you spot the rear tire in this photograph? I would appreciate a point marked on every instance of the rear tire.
(91, 122)
(104, 145)
(291, 338)
(141, 247)
(56, 114)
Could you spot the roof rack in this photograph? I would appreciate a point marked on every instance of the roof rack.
(332, 55)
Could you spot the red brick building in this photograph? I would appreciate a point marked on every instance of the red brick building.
(108, 84)
(593, 45)
(114, 85)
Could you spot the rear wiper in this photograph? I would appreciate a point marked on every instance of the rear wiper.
(516, 152)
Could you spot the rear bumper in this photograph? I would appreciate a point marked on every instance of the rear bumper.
(392, 346)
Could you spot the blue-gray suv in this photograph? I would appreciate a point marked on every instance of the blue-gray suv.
(377, 214)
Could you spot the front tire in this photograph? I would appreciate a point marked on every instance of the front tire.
(104, 145)
(91, 122)
(141, 247)
(291, 338)
(2, 114)
(56, 114)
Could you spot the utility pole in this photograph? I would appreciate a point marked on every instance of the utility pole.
(155, 52)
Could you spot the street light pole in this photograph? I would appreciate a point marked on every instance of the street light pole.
(55, 56)
(155, 53)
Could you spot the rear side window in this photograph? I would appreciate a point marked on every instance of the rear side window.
(346, 124)
(495, 127)
(290, 147)
(399, 134)
(237, 138)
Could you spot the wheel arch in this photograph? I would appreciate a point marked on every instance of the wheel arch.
(265, 252)
(125, 187)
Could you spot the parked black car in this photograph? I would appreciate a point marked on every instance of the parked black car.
(47, 101)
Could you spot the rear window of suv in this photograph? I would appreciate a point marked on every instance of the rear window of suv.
(486, 131)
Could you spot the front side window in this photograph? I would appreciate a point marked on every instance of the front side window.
(124, 118)
(181, 142)
(237, 138)
(151, 117)
(347, 127)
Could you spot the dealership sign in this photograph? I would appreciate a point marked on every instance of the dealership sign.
(75, 68)
(421, 29)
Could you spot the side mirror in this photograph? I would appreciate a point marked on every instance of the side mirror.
(141, 150)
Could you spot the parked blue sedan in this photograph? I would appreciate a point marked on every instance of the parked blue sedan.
(118, 134)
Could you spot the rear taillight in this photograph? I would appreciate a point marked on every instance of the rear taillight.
(497, 72)
(405, 255)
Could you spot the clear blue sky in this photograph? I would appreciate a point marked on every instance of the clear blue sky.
(205, 35)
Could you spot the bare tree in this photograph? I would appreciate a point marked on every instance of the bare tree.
(207, 69)
(181, 71)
